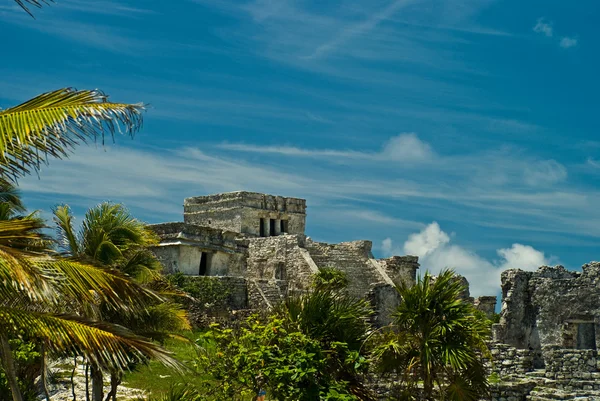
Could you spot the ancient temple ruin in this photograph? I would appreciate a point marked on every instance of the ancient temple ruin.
(260, 241)
(544, 347)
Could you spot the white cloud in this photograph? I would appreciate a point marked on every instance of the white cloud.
(436, 252)
(544, 27)
(427, 241)
(522, 257)
(405, 147)
(387, 246)
(567, 42)
(545, 172)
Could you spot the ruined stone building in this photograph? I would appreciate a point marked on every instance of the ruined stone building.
(544, 347)
(258, 243)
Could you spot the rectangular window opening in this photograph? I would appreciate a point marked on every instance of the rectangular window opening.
(272, 228)
(586, 336)
(203, 264)
(263, 228)
(284, 226)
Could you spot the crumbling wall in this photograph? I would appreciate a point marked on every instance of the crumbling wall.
(510, 361)
(518, 316)
(355, 259)
(564, 363)
(486, 304)
(182, 245)
(279, 258)
(384, 300)
(401, 269)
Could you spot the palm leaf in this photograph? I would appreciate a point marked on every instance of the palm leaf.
(37, 3)
(88, 283)
(67, 239)
(10, 196)
(105, 344)
(53, 123)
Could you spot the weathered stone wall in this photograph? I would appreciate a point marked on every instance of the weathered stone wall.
(242, 212)
(563, 363)
(486, 304)
(511, 391)
(401, 269)
(182, 245)
(355, 259)
(550, 306)
(279, 258)
(518, 316)
(384, 300)
(510, 361)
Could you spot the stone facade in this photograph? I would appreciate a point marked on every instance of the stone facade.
(547, 339)
(261, 239)
(247, 212)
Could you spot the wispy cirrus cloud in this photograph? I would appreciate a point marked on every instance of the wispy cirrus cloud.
(405, 147)
(358, 29)
(568, 42)
(544, 27)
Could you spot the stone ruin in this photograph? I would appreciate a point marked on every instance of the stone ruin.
(543, 348)
(258, 242)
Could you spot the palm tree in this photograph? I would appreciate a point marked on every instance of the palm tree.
(111, 237)
(340, 323)
(35, 286)
(438, 339)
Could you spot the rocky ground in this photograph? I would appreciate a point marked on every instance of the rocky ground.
(60, 387)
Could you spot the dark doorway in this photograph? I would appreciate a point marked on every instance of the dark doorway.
(586, 336)
(262, 228)
(272, 228)
(284, 226)
(203, 264)
(280, 271)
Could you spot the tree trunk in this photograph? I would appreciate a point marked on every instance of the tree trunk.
(8, 363)
(97, 384)
(44, 372)
(73, 379)
(87, 381)
(115, 380)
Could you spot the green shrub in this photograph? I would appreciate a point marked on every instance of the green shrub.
(330, 278)
(207, 291)
(269, 355)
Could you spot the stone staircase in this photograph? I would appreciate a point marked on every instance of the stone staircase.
(264, 294)
(351, 257)
(584, 387)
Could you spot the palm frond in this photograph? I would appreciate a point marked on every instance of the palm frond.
(53, 123)
(67, 239)
(105, 344)
(89, 283)
(10, 196)
(37, 3)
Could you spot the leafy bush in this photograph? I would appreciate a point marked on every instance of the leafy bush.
(330, 278)
(270, 355)
(28, 364)
(207, 291)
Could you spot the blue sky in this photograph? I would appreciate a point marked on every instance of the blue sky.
(461, 131)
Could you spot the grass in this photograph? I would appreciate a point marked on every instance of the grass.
(155, 378)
